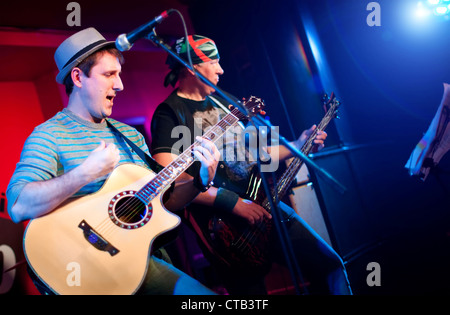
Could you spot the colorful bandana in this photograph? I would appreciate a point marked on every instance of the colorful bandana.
(202, 49)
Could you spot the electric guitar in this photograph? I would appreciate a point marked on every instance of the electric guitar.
(101, 243)
(246, 247)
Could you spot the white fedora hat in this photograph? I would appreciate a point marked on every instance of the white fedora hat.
(76, 48)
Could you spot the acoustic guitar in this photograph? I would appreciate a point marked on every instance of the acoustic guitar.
(101, 243)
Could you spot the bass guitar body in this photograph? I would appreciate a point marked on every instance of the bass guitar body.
(228, 234)
(242, 246)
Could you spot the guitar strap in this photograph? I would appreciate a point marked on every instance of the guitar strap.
(188, 216)
(154, 166)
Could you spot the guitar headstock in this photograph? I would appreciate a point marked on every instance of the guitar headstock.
(254, 106)
(331, 105)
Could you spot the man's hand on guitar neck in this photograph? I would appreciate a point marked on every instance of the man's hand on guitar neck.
(281, 153)
(319, 140)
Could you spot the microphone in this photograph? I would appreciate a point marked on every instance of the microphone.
(125, 41)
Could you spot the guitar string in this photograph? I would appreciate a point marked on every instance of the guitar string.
(211, 134)
(262, 227)
(213, 131)
(253, 234)
(125, 212)
(127, 209)
(292, 171)
(134, 205)
(129, 204)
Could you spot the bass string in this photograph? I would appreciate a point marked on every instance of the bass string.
(250, 235)
(294, 166)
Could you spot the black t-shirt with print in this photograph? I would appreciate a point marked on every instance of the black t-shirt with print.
(169, 134)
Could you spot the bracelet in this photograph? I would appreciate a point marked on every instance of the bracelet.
(226, 199)
(199, 184)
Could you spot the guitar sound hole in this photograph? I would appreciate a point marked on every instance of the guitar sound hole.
(128, 211)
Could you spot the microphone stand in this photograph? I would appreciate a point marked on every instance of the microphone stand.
(258, 121)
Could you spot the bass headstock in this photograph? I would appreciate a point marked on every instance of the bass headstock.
(331, 105)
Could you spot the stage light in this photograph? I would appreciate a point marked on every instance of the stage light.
(441, 10)
(422, 11)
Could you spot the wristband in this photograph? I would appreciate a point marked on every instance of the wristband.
(225, 199)
(199, 184)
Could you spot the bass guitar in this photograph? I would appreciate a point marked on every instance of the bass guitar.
(246, 247)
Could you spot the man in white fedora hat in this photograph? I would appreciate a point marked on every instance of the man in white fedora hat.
(73, 153)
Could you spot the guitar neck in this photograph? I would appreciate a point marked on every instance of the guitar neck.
(168, 175)
(289, 175)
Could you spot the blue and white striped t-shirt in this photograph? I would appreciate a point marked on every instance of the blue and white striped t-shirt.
(64, 142)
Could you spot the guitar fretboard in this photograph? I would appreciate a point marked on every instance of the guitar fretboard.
(168, 175)
(291, 172)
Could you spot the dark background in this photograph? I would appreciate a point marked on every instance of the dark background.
(390, 82)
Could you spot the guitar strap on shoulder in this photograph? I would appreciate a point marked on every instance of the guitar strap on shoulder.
(154, 166)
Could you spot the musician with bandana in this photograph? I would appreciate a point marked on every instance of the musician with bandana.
(193, 106)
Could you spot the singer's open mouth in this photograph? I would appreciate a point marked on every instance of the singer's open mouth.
(110, 98)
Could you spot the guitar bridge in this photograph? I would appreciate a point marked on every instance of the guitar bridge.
(96, 240)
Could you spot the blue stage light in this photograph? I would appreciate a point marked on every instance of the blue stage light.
(422, 11)
(440, 8)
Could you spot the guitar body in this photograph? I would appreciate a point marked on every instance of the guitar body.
(227, 234)
(242, 246)
(89, 245)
